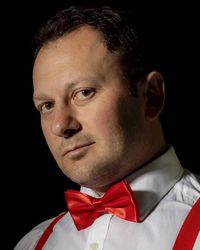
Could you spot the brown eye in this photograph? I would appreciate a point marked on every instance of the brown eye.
(45, 107)
(84, 94)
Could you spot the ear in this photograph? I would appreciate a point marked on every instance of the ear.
(154, 92)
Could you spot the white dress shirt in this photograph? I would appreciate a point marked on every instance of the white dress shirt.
(164, 192)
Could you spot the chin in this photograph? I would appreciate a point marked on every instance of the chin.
(95, 176)
(99, 184)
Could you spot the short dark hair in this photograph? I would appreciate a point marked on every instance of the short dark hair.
(117, 31)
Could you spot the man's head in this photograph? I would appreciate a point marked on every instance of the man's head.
(99, 112)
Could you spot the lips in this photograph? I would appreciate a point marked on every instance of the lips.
(76, 147)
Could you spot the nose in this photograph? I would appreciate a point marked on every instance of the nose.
(64, 123)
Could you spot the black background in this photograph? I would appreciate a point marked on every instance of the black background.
(32, 184)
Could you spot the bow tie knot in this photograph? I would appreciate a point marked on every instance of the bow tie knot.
(98, 205)
(118, 200)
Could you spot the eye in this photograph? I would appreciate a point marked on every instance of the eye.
(84, 94)
(45, 107)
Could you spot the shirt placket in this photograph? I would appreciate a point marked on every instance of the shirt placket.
(98, 232)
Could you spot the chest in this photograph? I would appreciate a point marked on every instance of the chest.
(111, 233)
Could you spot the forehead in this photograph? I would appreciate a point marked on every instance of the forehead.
(81, 50)
(83, 40)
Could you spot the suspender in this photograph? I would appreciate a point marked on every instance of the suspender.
(189, 230)
(185, 239)
(47, 232)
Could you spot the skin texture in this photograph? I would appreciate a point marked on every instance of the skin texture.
(96, 130)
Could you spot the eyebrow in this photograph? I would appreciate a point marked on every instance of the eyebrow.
(42, 96)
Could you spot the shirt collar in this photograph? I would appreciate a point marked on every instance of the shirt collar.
(152, 182)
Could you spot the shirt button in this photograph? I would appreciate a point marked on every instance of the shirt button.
(94, 246)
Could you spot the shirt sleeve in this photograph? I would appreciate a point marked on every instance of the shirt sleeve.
(29, 241)
(197, 243)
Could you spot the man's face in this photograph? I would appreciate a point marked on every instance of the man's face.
(93, 126)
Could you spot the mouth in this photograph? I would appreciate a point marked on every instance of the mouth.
(77, 150)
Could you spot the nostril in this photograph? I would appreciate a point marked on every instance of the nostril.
(64, 125)
(69, 132)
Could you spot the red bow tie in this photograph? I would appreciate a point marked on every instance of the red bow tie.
(118, 200)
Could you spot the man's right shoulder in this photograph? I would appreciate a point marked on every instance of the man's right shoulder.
(28, 242)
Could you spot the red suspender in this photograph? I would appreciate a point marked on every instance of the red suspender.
(185, 239)
(47, 232)
(189, 230)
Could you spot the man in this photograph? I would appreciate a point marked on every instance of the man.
(100, 110)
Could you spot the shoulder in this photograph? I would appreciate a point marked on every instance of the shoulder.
(187, 190)
(29, 241)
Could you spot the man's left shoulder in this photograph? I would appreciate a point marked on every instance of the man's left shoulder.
(188, 187)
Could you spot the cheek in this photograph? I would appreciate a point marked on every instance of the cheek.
(45, 131)
(101, 116)
(104, 120)
(50, 139)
